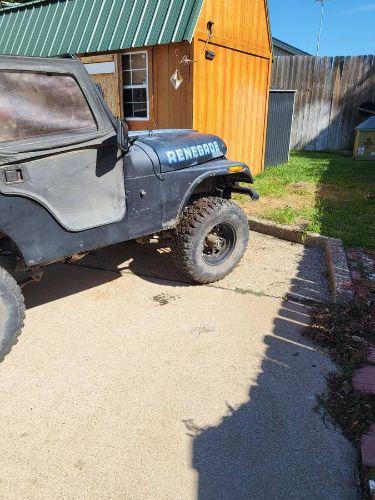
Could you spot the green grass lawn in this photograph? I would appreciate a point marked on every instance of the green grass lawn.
(324, 193)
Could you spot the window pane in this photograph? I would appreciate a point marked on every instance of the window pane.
(135, 83)
(140, 110)
(139, 77)
(140, 95)
(127, 77)
(128, 109)
(126, 62)
(128, 95)
(139, 61)
(36, 104)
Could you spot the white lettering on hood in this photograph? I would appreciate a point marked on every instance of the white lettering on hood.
(190, 152)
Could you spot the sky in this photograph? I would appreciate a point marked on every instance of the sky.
(349, 25)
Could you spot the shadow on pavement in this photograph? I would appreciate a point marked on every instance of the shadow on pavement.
(151, 262)
(261, 272)
(310, 285)
(276, 445)
(272, 446)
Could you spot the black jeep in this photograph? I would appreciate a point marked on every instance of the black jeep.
(73, 180)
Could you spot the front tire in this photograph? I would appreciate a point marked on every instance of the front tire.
(210, 239)
(12, 312)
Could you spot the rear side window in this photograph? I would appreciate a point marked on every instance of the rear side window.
(37, 104)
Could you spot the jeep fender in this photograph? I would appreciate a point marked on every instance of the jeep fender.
(218, 170)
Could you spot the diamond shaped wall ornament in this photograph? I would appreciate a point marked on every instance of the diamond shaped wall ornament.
(176, 79)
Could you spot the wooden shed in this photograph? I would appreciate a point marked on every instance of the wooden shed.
(220, 49)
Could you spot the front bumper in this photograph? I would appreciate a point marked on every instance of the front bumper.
(245, 190)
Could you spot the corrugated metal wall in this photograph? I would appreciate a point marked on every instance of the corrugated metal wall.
(279, 129)
(278, 51)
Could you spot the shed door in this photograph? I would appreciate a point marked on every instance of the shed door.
(53, 151)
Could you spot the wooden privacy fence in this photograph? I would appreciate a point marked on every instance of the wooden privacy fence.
(329, 92)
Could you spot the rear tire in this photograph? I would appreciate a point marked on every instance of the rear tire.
(210, 239)
(12, 312)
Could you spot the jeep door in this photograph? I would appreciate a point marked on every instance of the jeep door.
(58, 145)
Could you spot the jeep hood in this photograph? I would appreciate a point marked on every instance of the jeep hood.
(177, 149)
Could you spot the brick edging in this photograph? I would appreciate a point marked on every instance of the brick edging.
(340, 278)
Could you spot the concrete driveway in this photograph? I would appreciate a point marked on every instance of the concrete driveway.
(129, 383)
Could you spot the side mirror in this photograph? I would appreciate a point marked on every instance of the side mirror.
(122, 134)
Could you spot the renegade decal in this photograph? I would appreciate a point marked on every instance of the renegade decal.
(190, 152)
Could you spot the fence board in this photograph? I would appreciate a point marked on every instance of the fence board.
(330, 90)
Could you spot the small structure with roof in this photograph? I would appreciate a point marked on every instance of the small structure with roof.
(281, 48)
(364, 147)
(202, 64)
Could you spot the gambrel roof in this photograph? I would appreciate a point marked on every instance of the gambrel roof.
(56, 27)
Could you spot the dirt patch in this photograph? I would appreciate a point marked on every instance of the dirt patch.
(268, 204)
(332, 193)
(203, 329)
(164, 298)
(299, 195)
(302, 188)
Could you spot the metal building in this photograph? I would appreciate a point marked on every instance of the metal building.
(279, 128)
(281, 48)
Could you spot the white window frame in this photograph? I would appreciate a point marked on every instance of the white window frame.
(136, 118)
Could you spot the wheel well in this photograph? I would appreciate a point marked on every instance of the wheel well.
(211, 186)
(9, 249)
(214, 185)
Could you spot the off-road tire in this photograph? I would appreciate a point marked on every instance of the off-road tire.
(12, 312)
(188, 238)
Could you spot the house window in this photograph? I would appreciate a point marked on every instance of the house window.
(135, 82)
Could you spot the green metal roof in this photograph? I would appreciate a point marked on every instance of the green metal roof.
(54, 27)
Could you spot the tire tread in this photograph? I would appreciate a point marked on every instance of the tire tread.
(13, 287)
(184, 234)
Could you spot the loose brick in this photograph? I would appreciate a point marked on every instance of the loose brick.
(371, 356)
(368, 448)
(364, 379)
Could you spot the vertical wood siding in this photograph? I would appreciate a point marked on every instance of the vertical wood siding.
(227, 96)
(172, 108)
(230, 100)
(330, 90)
(169, 108)
(244, 22)
(230, 93)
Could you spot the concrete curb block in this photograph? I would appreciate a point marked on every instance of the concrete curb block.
(339, 273)
(340, 278)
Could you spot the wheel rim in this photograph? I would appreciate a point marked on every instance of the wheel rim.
(219, 244)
